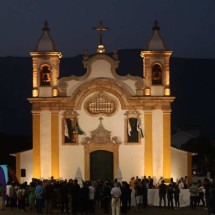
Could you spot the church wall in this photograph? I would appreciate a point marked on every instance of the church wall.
(157, 90)
(101, 68)
(45, 92)
(26, 159)
(45, 140)
(72, 86)
(178, 163)
(157, 137)
(114, 123)
(71, 157)
(131, 161)
(130, 86)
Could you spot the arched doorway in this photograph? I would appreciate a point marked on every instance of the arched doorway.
(101, 165)
(97, 152)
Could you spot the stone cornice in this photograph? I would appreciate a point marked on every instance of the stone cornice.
(135, 102)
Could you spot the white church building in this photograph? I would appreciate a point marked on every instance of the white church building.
(101, 125)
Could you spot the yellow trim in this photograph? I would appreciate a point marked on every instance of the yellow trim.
(18, 167)
(148, 144)
(55, 145)
(36, 145)
(166, 145)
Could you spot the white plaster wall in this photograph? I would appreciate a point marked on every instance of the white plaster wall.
(72, 86)
(131, 158)
(157, 90)
(115, 123)
(71, 157)
(26, 162)
(131, 161)
(45, 91)
(45, 144)
(130, 86)
(101, 68)
(178, 163)
(157, 140)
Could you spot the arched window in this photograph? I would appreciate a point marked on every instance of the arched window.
(156, 75)
(45, 76)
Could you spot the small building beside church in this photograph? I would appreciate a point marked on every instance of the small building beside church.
(101, 124)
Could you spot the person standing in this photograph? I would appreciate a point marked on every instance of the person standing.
(138, 193)
(91, 198)
(75, 193)
(181, 184)
(170, 189)
(162, 193)
(115, 202)
(125, 190)
(39, 197)
(106, 197)
(176, 196)
(48, 191)
(201, 196)
(13, 197)
(8, 186)
(31, 196)
(193, 189)
(64, 197)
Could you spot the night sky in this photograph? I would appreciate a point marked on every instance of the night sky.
(187, 26)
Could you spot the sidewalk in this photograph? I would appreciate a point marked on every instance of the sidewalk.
(147, 211)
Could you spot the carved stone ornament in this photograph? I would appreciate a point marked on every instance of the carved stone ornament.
(116, 140)
(63, 85)
(101, 103)
(101, 135)
(85, 140)
(132, 113)
(139, 84)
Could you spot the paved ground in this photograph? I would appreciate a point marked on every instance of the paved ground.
(133, 211)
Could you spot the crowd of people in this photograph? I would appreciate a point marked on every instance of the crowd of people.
(110, 196)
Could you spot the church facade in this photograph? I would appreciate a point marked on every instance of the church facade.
(102, 125)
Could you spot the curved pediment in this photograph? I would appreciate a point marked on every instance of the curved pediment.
(119, 89)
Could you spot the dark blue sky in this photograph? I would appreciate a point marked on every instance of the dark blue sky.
(188, 26)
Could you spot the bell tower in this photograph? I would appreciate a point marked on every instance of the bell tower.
(45, 117)
(156, 72)
(46, 60)
(156, 65)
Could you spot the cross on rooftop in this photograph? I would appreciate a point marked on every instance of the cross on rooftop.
(100, 28)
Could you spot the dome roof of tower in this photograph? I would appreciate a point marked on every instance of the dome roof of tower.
(45, 43)
(156, 42)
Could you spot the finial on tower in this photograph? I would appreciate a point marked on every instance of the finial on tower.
(156, 27)
(100, 28)
(46, 26)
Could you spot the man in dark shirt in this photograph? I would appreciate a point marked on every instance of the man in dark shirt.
(162, 193)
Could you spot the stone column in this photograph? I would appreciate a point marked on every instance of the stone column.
(148, 144)
(36, 145)
(167, 144)
(55, 144)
